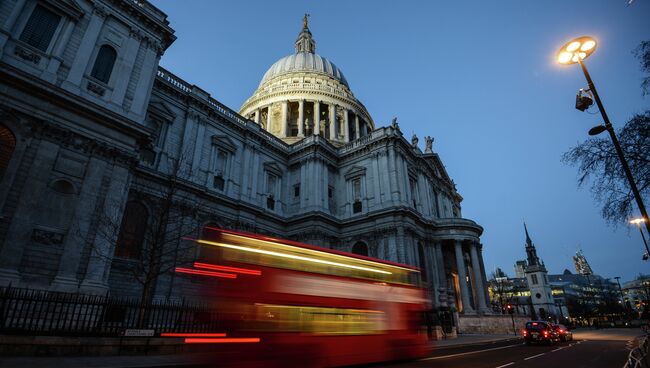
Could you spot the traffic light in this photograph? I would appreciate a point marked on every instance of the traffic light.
(510, 309)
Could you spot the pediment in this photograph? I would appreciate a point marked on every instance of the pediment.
(161, 110)
(273, 168)
(224, 142)
(68, 7)
(354, 172)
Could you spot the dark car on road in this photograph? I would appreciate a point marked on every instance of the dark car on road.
(563, 332)
(540, 332)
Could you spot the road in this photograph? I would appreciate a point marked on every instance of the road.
(590, 349)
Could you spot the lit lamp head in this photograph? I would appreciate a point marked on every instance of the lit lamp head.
(637, 221)
(577, 49)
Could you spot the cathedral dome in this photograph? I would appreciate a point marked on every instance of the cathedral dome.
(304, 62)
(305, 94)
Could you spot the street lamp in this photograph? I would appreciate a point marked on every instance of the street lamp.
(637, 222)
(575, 51)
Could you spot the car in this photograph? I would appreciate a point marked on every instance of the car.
(540, 332)
(563, 332)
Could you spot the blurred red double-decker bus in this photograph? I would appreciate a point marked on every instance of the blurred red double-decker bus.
(296, 304)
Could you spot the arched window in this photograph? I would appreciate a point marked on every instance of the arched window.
(132, 231)
(7, 146)
(360, 248)
(104, 63)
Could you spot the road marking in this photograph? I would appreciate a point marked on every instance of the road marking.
(558, 349)
(470, 352)
(505, 365)
(534, 356)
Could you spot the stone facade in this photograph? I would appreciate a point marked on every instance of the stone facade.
(86, 147)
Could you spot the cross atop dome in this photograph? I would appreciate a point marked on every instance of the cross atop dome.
(305, 42)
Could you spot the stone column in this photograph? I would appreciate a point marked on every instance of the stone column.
(5, 31)
(332, 121)
(442, 275)
(269, 118)
(147, 75)
(478, 278)
(346, 126)
(257, 116)
(80, 63)
(316, 117)
(66, 278)
(55, 61)
(301, 117)
(98, 270)
(124, 66)
(285, 116)
(485, 281)
(462, 277)
(356, 127)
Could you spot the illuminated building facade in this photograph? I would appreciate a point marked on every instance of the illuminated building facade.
(93, 133)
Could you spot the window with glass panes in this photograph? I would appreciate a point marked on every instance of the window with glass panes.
(40, 28)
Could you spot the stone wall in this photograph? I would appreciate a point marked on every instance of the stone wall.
(496, 324)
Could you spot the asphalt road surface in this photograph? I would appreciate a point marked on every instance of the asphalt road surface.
(590, 349)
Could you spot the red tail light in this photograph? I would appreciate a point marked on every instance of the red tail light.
(525, 332)
(545, 333)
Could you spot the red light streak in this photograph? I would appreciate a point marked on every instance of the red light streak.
(174, 334)
(222, 341)
(226, 268)
(206, 273)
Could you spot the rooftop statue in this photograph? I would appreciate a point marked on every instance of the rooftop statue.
(414, 141)
(428, 144)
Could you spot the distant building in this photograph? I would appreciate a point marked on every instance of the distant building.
(582, 266)
(530, 292)
(636, 295)
(560, 296)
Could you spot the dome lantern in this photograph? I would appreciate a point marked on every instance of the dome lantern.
(305, 42)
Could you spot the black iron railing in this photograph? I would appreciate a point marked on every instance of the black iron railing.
(25, 311)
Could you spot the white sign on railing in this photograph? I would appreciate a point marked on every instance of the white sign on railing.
(131, 332)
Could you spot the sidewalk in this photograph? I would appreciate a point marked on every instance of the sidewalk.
(187, 360)
(471, 339)
(124, 361)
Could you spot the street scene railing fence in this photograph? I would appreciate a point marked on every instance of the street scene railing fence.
(36, 312)
(638, 357)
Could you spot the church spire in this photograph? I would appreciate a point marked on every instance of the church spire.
(531, 252)
(305, 42)
(528, 241)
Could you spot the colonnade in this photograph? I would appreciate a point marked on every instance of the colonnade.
(464, 289)
(311, 121)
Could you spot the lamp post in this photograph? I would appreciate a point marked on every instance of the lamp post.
(638, 222)
(575, 51)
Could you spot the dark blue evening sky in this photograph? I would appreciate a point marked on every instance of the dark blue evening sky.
(478, 76)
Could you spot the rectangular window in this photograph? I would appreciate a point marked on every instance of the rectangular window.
(219, 182)
(533, 278)
(356, 189)
(271, 184)
(40, 28)
(413, 192)
(357, 207)
(296, 190)
(220, 163)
